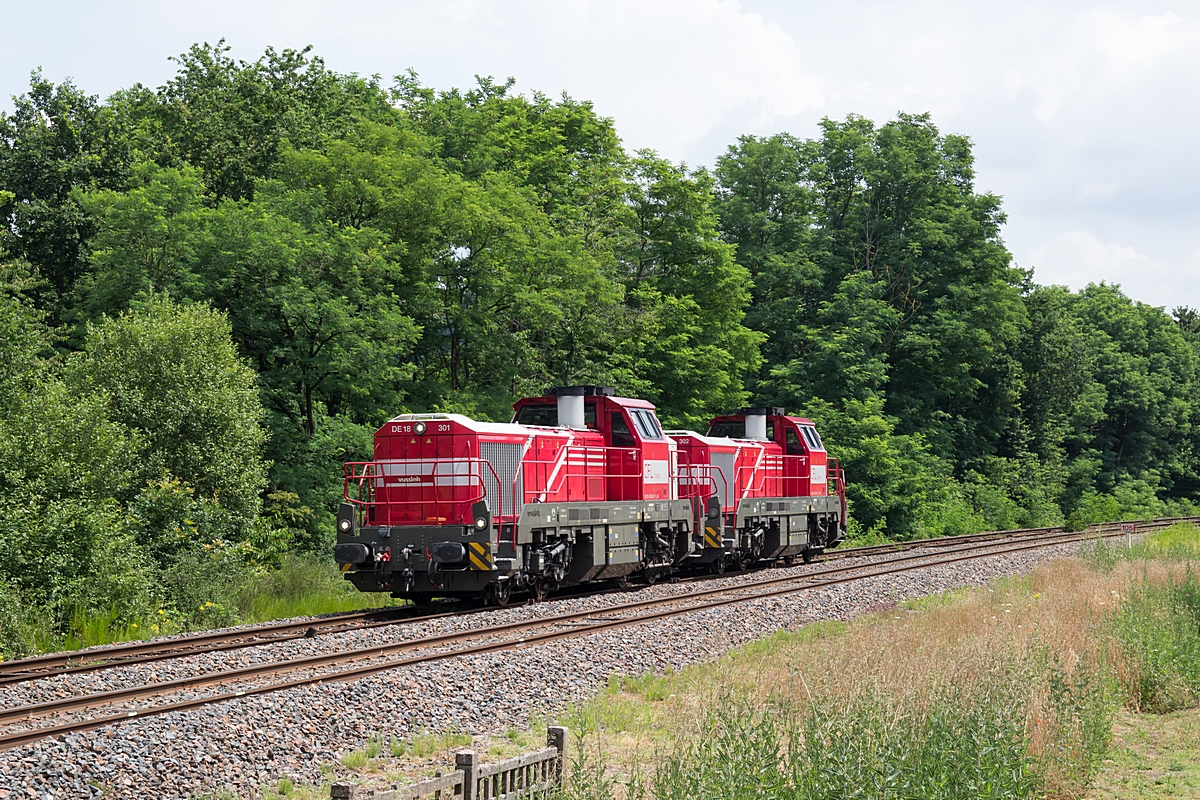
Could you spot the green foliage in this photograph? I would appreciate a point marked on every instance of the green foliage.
(56, 140)
(171, 372)
(955, 749)
(1159, 626)
(221, 287)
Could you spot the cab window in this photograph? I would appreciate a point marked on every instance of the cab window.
(537, 415)
(736, 429)
(732, 429)
(548, 415)
(621, 437)
(810, 434)
(794, 446)
(646, 424)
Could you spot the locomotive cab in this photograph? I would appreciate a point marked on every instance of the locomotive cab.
(639, 456)
(807, 470)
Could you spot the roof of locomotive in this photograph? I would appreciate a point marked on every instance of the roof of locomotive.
(477, 426)
(798, 420)
(549, 399)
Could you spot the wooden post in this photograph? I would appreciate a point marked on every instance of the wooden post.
(557, 737)
(468, 762)
(341, 791)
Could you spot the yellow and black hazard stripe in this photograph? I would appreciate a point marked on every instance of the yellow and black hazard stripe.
(480, 555)
(712, 537)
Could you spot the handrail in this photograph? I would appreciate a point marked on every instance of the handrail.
(696, 478)
(370, 474)
(564, 460)
(690, 481)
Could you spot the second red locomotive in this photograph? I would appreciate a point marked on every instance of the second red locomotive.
(581, 487)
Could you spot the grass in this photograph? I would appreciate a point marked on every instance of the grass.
(1158, 627)
(286, 789)
(1177, 543)
(1008, 691)
(378, 752)
(424, 745)
(301, 586)
(1152, 756)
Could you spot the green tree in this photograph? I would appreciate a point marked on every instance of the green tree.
(689, 295)
(65, 541)
(172, 373)
(57, 139)
(230, 118)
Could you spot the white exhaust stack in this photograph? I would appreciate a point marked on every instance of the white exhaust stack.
(756, 423)
(570, 406)
(756, 420)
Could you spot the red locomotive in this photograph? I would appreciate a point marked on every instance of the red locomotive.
(581, 487)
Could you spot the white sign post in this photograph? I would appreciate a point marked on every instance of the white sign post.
(1129, 528)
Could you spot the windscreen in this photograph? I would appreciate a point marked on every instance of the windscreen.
(814, 441)
(647, 425)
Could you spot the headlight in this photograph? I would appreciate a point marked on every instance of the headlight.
(344, 525)
(481, 523)
(419, 428)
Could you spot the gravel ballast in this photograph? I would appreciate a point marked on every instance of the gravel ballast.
(241, 746)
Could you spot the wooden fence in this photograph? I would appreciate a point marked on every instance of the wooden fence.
(531, 776)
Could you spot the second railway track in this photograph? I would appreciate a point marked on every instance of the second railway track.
(146, 652)
(247, 681)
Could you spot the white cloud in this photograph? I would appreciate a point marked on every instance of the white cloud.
(1077, 258)
(1081, 110)
(668, 71)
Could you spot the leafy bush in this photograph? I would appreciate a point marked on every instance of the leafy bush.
(173, 373)
(18, 625)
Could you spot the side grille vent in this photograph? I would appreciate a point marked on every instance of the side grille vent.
(505, 459)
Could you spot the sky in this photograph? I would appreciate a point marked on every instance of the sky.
(1083, 115)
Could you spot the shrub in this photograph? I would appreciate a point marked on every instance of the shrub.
(172, 372)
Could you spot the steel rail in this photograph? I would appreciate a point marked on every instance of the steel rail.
(137, 653)
(890, 566)
(209, 641)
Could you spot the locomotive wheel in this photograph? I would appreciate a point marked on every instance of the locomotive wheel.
(541, 590)
(651, 576)
(718, 566)
(808, 555)
(498, 594)
(621, 582)
(789, 561)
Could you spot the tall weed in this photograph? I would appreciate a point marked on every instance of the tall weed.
(955, 747)
(1158, 627)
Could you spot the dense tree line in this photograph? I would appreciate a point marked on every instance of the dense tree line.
(214, 291)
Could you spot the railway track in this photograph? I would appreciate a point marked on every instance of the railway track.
(133, 653)
(354, 664)
(147, 652)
